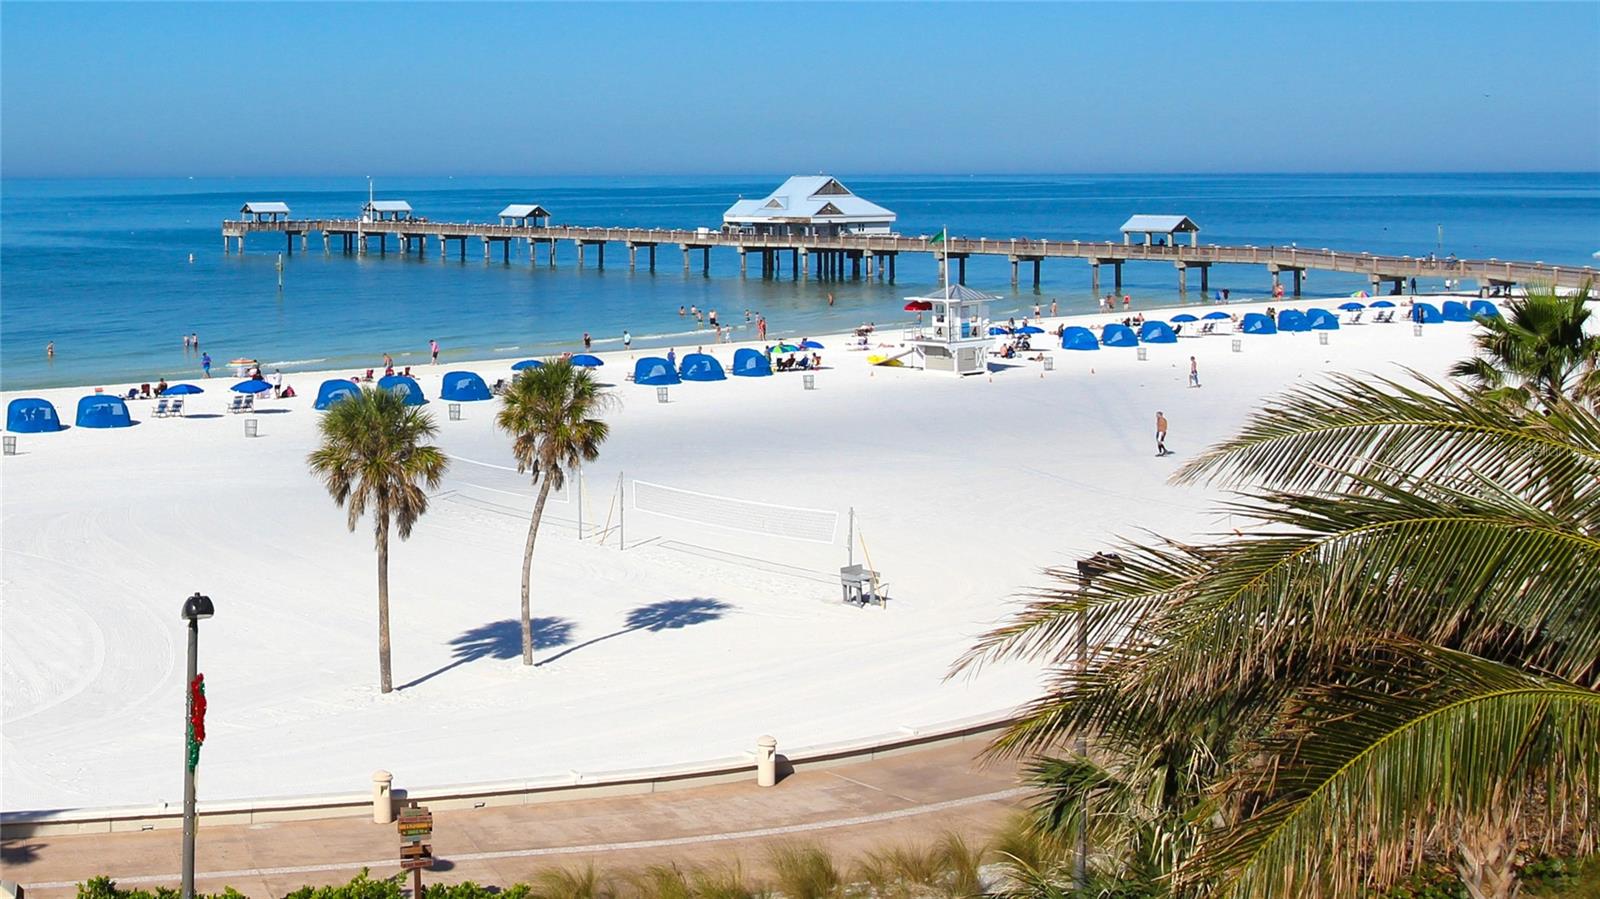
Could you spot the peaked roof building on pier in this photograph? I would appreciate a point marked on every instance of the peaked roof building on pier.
(809, 205)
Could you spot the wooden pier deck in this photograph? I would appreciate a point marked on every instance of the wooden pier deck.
(876, 255)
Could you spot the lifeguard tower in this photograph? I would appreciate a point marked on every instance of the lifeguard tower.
(954, 336)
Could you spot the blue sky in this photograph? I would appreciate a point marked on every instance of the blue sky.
(303, 89)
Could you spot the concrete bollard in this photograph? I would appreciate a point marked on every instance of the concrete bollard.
(766, 761)
(382, 797)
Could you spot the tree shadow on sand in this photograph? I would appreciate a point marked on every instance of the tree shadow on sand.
(500, 640)
(666, 615)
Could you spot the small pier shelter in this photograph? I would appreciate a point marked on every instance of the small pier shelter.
(263, 212)
(525, 214)
(1168, 225)
(809, 206)
(956, 337)
(386, 210)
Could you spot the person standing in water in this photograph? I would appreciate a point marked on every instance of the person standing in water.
(587, 341)
(50, 350)
(1161, 435)
(205, 363)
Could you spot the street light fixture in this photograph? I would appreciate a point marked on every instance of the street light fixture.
(195, 608)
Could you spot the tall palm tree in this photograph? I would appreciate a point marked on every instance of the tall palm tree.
(1539, 352)
(1404, 647)
(374, 458)
(550, 412)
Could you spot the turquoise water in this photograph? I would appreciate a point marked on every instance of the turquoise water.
(102, 267)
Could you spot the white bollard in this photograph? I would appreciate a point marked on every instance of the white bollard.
(382, 797)
(766, 761)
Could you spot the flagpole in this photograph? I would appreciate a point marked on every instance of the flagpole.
(944, 241)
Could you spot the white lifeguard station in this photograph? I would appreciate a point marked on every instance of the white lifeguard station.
(954, 336)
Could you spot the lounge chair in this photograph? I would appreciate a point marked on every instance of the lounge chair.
(237, 405)
(368, 376)
(177, 407)
(161, 409)
(1356, 319)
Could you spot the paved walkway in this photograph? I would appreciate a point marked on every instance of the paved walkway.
(851, 809)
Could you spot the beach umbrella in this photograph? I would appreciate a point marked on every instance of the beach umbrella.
(1351, 306)
(997, 331)
(181, 389)
(251, 386)
(1185, 317)
(587, 361)
(810, 345)
(1215, 316)
(527, 363)
(1382, 304)
(1361, 295)
(919, 306)
(1030, 329)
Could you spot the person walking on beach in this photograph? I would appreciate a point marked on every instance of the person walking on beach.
(1053, 307)
(388, 362)
(433, 348)
(672, 357)
(587, 341)
(761, 327)
(1194, 373)
(627, 340)
(1161, 435)
(205, 363)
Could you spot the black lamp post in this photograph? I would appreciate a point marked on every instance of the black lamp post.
(1088, 569)
(195, 608)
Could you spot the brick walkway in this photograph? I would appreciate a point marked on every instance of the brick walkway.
(913, 797)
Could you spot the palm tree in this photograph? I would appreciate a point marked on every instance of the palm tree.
(373, 459)
(1403, 652)
(1539, 352)
(550, 412)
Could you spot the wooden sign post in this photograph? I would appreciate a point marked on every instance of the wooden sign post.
(416, 826)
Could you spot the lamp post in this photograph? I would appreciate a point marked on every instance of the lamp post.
(1088, 569)
(195, 608)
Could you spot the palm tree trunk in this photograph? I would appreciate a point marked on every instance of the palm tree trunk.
(1486, 861)
(527, 571)
(385, 680)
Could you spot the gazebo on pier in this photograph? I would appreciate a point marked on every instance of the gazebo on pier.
(390, 210)
(809, 205)
(264, 212)
(525, 214)
(956, 337)
(1169, 225)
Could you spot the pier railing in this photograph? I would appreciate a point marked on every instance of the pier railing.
(1276, 258)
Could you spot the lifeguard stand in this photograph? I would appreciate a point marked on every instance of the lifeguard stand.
(955, 337)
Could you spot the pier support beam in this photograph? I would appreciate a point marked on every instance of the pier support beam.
(794, 263)
(1036, 273)
(633, 257)
(1094, 278)
(1116, 274)
(961, 264)
(705, 260)
(805, 263)
(1014, 271)
(1183, 280)
(579, 245)
(685, 248)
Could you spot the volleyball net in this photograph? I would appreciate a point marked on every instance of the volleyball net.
(742, 516)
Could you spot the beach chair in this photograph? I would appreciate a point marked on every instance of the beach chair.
(368, 375)
(161, 409)
(177, 407)
(1356, 319)
(249, 403)
(237, 405)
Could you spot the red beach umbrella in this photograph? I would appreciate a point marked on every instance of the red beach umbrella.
(919, 306)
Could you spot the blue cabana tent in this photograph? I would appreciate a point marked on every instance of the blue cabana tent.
(1257, 323)
(701, 367)
(102, 411)
(1293, 320)
(31, 415)
(403, 387)
(654, 371)
(464, 387)
(1426, 313)
(1118, 335)
(1078, 337)
(1321, 320)
(749, 363)
(333, 391)
(1483, 308)
(1456, 311)
(1157, 332)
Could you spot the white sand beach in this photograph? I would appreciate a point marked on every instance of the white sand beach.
(684, 647)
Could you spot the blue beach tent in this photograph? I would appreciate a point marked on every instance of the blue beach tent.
(654, 371)
(1118, 335)
(102, 411)
(333, 391)
(464, 387)
(403, 387)
(31, 415)
(1456, 311)
(1157, 332)
(749, 363)
(1078, 337)
(1293, 320)
(1257, 323)
(1484, 309)
(1426, 313)
(527, 363)
(701, 367)
(1321, 320)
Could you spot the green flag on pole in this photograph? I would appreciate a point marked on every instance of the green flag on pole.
(938, 238)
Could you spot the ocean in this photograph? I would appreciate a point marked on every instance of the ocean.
(103, 268)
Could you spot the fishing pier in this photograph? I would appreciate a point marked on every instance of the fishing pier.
(840, 256)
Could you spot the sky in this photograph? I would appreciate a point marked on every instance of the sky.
(209, 89)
